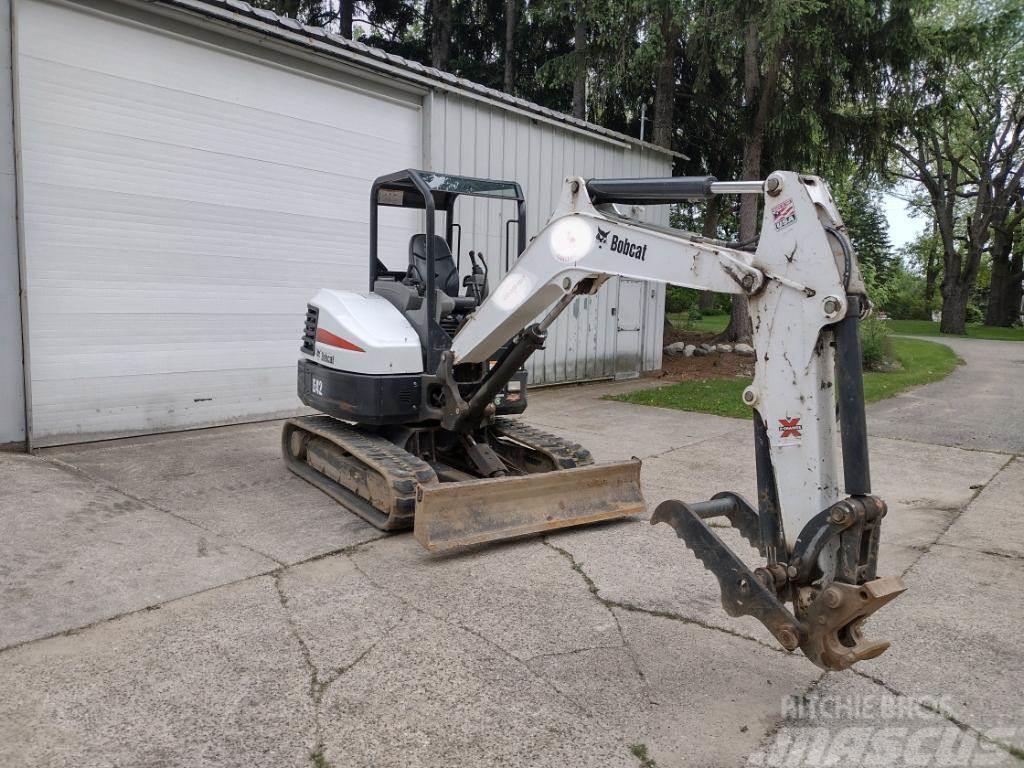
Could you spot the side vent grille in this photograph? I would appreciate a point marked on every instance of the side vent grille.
(409, 396)
(309, 334)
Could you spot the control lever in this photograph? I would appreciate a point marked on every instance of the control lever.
(477, 281)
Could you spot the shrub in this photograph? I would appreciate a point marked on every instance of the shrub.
(974, 314)
(901, 296)
(875, 344)
(676, 299)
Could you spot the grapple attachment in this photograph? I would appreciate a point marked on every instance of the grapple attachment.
(828, 620)
(451, 516)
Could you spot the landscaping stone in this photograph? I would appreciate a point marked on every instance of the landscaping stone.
(724, 347)
(743, 349)
(676, 349)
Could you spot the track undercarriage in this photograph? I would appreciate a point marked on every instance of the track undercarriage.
(430, 479)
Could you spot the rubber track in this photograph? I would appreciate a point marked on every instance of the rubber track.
(403, 471)
(564, 453)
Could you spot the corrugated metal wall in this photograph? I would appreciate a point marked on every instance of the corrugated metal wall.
(472, 138)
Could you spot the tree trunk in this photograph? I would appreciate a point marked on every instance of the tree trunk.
(1004, 291)
(1016, 291)
(665, 80)
(931, 273)
(345, 18)
(511, 22)
(999, 288)
(959, 277)
(441, 35)
(954, 307)
(758, 94)
(712, 214)
(579, 81)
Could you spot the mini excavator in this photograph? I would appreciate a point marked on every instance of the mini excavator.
(419, 379)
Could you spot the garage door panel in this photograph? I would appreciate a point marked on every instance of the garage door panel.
(148, 404)
(60, 299)
(159, 360)
(126, 165)
(156, 168)
(87, 218)
(173, 331)
(102, 103)
(181, 204)
(92, 43)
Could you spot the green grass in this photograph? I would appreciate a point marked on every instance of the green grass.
(707, 324)
(928, 328)
(923, 362)
(717, 323)
(639, 751)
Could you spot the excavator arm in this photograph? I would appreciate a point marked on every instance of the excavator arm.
(816, 521)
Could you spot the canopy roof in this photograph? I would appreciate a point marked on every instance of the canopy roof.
(403, 188)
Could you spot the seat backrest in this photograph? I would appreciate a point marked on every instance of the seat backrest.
(446, 273)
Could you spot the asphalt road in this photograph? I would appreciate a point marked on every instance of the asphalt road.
(977, 406)
(183, 600)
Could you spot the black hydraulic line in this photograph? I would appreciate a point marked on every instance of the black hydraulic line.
(521, 227)
(767, 493)
(847, 254)
(850, 383)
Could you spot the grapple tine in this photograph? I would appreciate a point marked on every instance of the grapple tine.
(452, 516)
(742, 592)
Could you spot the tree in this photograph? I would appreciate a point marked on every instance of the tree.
(859, 203)
(579, 80)
(669, 30)
(511, 22)
(441, 33)
(346, 9)
(964, 143)
(1004, 299)
(316, 13)
(807, 82)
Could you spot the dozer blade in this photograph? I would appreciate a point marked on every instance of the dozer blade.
(451, 516)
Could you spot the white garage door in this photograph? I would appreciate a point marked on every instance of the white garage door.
(181, 202)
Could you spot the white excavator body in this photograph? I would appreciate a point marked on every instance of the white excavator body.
(433, 373)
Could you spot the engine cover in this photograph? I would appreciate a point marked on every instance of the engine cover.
(361, 333)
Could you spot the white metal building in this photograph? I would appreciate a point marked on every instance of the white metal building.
(179, 176)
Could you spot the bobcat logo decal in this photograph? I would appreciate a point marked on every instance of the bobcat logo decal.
(602, 236)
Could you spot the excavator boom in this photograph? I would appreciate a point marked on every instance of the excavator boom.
(816, 522)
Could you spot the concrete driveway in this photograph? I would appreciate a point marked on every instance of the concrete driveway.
(183, 600)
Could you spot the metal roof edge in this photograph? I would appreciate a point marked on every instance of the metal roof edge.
(287, 28)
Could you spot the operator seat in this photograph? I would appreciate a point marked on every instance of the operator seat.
(446, 273)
